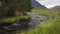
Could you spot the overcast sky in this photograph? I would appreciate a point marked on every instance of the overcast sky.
(49, 3)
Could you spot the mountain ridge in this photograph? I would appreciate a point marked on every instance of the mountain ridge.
(56, 7)
(37, 5)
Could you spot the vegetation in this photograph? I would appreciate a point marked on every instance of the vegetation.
(11, 7)
(11, 10)
(52, 26)
(18, 9)
(13, 19)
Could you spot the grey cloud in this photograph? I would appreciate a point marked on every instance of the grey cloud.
(49, 3)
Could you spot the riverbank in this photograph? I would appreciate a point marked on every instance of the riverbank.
(11, 24)
(52, 26)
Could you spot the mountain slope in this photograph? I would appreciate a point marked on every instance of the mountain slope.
(37, 5)
(56, 7)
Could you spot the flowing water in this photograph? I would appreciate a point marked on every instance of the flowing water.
(35, 20)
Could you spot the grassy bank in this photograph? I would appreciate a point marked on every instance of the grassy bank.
(52, 26)
(13, 19)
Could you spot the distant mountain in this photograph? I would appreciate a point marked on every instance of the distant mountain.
(56, 7)
(37, 5)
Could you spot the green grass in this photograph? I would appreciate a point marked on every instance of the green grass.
(45, 12)
(12, 19)
(52, 26)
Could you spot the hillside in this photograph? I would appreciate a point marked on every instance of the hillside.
(37, 5)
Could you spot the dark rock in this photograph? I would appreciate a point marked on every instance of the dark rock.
(7, 28)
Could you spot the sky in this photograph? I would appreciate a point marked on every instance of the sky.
(49, 3)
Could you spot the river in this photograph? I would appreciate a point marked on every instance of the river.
(35, 20)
